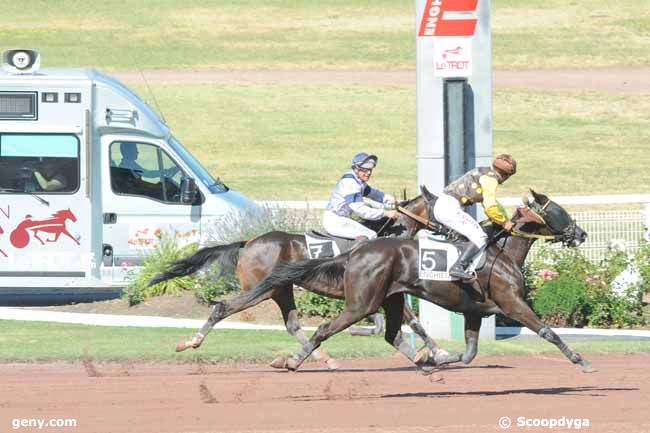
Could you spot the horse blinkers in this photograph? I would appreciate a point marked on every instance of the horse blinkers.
(562, 226)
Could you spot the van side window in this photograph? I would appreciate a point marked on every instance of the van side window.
(145, 170)
(43, 163)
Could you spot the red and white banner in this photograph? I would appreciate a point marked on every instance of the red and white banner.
(434, 22)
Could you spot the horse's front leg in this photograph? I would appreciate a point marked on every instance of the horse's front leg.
(472, 330)
(517, 309)
(67, 233)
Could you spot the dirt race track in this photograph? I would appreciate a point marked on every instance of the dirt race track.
(381, 395)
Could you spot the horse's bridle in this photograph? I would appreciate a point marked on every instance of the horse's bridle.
(566, 235)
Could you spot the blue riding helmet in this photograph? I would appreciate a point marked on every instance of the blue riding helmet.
(365, 161)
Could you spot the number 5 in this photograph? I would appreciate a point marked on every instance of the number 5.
(428, 260)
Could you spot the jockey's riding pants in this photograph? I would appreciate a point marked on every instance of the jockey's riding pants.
(345, 227)
(448, 212)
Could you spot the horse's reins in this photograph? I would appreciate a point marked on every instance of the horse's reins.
(525, 235)
(424, 221)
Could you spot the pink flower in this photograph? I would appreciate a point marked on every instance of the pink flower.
(548, 274)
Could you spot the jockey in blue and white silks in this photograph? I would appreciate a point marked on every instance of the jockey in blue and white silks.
(347, 202)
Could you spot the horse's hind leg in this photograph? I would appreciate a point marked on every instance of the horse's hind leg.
(413, 322)
(394, 308)
(379, 326)
(220, 311)
(284, 298)
(517, 309)
(432, 353)
(324, 331)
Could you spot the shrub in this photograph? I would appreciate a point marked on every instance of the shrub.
(312, 304)
(166, 252)
(562, 301)
(565, 289)
(642, 259)
(211, 286)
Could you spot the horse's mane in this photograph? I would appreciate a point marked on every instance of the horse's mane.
(410, 201)
(62, 212)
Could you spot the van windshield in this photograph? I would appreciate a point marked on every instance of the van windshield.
(215, 186)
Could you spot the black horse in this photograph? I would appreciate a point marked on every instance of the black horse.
(259, 256)
(378, 274)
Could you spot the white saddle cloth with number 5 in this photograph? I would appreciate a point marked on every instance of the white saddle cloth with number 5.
(436, 257)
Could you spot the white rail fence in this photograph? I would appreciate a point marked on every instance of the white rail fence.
(625, 226)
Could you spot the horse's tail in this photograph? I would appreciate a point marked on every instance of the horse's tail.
(226, 256)
(328, 271)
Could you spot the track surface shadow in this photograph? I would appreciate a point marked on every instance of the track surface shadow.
(585, 391)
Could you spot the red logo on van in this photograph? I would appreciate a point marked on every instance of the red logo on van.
(2, 252)
(434, 23)
(20, 236)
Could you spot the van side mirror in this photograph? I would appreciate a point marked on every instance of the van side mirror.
(188, 190)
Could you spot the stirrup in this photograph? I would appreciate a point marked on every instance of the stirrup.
(463, 274)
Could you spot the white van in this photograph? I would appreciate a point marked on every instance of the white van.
(90, 178)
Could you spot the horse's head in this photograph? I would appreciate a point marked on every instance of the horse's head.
(551, 219)
(405, 226)
(65, 214)
(413, 217)
(429, 199)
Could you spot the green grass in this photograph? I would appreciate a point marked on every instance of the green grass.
(306, 34)
(293, 142)
(45, 342)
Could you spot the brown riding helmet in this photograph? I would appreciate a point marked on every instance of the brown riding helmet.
(505, 164)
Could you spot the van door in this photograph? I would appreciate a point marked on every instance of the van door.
(142, 202)
(45, 226)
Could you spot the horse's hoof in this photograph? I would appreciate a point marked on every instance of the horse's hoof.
(182, 345)
(193, 343)
(292, 364)
(447, 359)
(587, 368)
(279, 362)
(441, 356)
(422, 356)
(332, 364)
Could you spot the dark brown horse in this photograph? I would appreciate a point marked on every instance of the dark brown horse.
(378, 273)
(259, 256)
